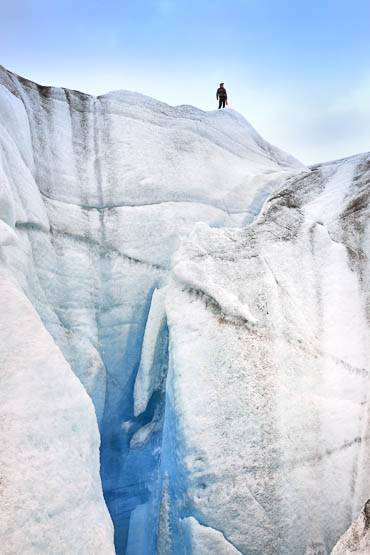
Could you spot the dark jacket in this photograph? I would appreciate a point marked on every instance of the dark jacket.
(221, 93)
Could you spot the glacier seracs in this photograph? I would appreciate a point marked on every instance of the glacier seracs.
(242, 426)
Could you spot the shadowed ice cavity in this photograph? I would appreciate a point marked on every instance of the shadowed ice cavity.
(130, 467)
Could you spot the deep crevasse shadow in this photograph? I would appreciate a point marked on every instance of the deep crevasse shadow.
(131, 445)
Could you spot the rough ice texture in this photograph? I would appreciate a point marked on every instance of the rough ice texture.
(266, 435)
(96, 194)
(51, 496)
(205, 540)
(356, 541)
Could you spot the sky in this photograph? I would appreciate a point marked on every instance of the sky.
(299, 71)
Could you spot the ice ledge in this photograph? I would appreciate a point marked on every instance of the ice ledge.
(206, 540)
(200, 278)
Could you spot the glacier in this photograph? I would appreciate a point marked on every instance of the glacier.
(276, 316)
(215, 355)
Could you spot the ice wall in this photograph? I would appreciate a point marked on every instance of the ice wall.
(51, 496)
(266, 434)
(96, 195)
(356, 540)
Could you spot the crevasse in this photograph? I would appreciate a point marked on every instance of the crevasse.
(217, 427)
(104, 190)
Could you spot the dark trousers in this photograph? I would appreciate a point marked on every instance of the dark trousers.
(221, 102)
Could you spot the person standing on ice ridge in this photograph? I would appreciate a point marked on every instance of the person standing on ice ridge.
(221, 96)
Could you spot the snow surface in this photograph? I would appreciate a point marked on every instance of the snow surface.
(96, 195)
(266, 429)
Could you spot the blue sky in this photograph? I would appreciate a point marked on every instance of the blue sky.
(299, 71)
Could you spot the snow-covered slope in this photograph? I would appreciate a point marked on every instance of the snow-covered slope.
(96, 195)
(266, 429)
